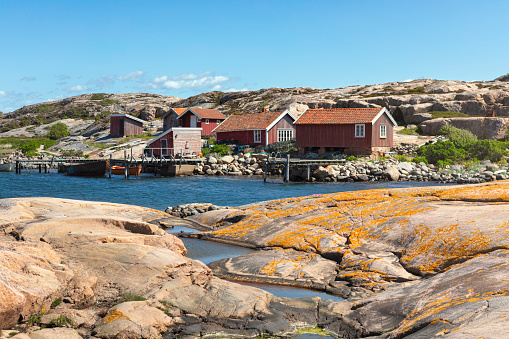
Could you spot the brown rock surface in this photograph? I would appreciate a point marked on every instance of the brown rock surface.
(448, 243)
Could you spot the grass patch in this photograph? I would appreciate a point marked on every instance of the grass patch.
(167, 306)
(145, 135)
(98, 96)
(448, 114)
(61, 321)
(107, 102)
(131, 296)
(408, 131)
(416, 90)
(56, 302)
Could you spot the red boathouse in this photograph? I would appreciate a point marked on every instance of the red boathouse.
(206, 119)
(257, 129)
(124, 125)
(347, 130)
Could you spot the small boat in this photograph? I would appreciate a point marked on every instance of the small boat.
(7, 167)
(89, 168)
(120, 170)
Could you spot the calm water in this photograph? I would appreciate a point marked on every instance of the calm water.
(160, 193)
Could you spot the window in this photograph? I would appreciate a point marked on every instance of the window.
(359, 130)
(218, 121)
(258, 136)
(284, 134)
(383, 131)
(206, 121)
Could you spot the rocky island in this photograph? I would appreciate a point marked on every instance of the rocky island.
(414, 263)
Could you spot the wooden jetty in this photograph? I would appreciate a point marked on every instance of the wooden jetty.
(286, 163)
(162, 166)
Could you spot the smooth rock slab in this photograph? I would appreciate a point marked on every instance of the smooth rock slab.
(135, 319)
(280, 266)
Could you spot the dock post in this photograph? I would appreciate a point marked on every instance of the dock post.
(17, 166)
(125, 165)
(40, 168)
(308, 176)
(111, 165)
(51, 164)
(287, 169)
(266, 169)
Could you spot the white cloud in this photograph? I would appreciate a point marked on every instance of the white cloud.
(109, 80)
(188, 80)
(28, 79)
(77, 88)
(2, 93)
(217, 87)
(133, 76)
(236, 90)
(408, 80)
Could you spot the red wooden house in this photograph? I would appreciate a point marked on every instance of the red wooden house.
(206, 119)
(170, 118)
(347, 130)
(175, 141)
(257, 129)
(124, 125)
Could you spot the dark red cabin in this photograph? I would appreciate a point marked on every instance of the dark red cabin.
(124, 125)
(348, 130)
(206, 119)
(257, 129)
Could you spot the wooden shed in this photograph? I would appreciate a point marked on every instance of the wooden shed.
(124, 125)
(175, 141)
(346, 130)
(257, 129)
(206, 119)
(170, 118)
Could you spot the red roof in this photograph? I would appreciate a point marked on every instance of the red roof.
(339, 116)
(252, 121)
(205, 113)
(179, 111)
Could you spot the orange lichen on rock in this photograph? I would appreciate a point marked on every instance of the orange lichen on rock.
(115, 315)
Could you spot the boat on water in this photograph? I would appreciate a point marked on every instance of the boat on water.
(120, 170)
(7, 167)
(89, 168)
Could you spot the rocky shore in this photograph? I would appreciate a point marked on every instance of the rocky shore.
(359, 170)
(416, 263)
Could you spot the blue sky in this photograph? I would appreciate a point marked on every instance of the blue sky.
(56, 49)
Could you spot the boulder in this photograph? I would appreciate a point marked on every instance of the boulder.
(52, 333)
(391, 173)
(483, 128)
(227, 159)
(135, 319)
(405, 166)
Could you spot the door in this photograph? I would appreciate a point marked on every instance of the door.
(164, 146)
(121, 128)
(193, 121)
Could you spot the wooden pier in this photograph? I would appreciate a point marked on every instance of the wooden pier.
(274, 161)
(158, 166)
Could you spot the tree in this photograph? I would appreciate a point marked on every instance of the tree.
(57, 131)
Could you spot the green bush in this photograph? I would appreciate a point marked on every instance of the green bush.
(58, 131)
(487, 150)
(420, 159)
(443, 151)
(459, 137)
(407, 131)
(219, 149)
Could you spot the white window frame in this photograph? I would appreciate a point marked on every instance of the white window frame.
(383, 131)
(206, 121)
(284, 134)
(257, 136)
(360, 130)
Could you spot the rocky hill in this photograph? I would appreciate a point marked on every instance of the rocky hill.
(410, 102)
